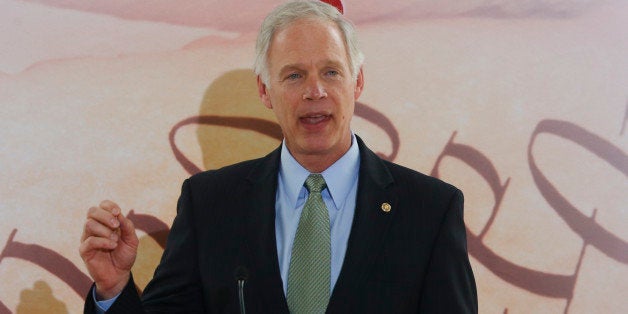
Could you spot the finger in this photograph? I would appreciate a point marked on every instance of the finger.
(127, 231)
(111, 207)
(103, 216)
(97, 229)
(92, 244)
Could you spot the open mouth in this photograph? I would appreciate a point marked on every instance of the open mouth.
(314, 119)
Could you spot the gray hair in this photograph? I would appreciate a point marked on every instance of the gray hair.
(285, 14)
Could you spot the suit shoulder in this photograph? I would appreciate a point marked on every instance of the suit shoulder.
(410, 177)
(232, 174)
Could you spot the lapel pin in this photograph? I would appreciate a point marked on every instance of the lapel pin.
(386, 207)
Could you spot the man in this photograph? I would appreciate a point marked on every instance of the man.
(362, 236)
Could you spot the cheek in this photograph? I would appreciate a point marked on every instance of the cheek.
(284, 114)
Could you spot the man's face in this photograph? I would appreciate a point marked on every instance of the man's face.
(311, 92)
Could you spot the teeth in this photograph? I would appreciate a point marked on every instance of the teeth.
(314, 119)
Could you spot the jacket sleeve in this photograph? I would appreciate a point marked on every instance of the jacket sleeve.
(449, 285)
(127, 302)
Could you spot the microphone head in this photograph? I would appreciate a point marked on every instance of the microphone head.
(241, 273)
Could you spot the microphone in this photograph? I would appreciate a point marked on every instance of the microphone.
(241, 275)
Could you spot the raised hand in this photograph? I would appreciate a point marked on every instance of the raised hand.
(108, 248)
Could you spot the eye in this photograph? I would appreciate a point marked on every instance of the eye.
(293, 76)
(332, 73)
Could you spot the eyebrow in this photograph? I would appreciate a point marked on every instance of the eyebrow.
(299, 66)
(290, 67)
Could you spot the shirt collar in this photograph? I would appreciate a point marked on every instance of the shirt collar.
(340, 176)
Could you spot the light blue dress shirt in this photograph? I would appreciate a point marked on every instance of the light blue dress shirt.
(102, 306)
(339, 197)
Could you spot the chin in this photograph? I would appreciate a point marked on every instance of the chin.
(317, 145)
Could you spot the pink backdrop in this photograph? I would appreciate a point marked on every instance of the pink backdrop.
(522, 104)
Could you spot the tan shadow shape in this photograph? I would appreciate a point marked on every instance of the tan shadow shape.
(40, 300)
(233, 94)
(148, 257)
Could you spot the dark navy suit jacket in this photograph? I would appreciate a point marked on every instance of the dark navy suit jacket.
(411, 259)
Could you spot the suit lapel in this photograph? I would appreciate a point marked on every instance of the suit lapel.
(370, 224)
(265, 279)
(368, 230)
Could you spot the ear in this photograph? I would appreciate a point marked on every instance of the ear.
(359, 85)
(263, 93)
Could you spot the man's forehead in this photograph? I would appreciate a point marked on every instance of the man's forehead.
(325, 43)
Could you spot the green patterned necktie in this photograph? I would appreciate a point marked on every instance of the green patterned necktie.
(310, 265)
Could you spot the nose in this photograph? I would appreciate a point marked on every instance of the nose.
(314, 90)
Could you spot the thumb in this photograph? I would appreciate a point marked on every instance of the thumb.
(127, 231)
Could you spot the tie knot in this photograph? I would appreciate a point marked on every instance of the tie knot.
(315, 183)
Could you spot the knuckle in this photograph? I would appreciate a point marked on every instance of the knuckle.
(83, 248)
(110, 206)
(90, 225)
(91, 211)
(85, 245)
(105, 204)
